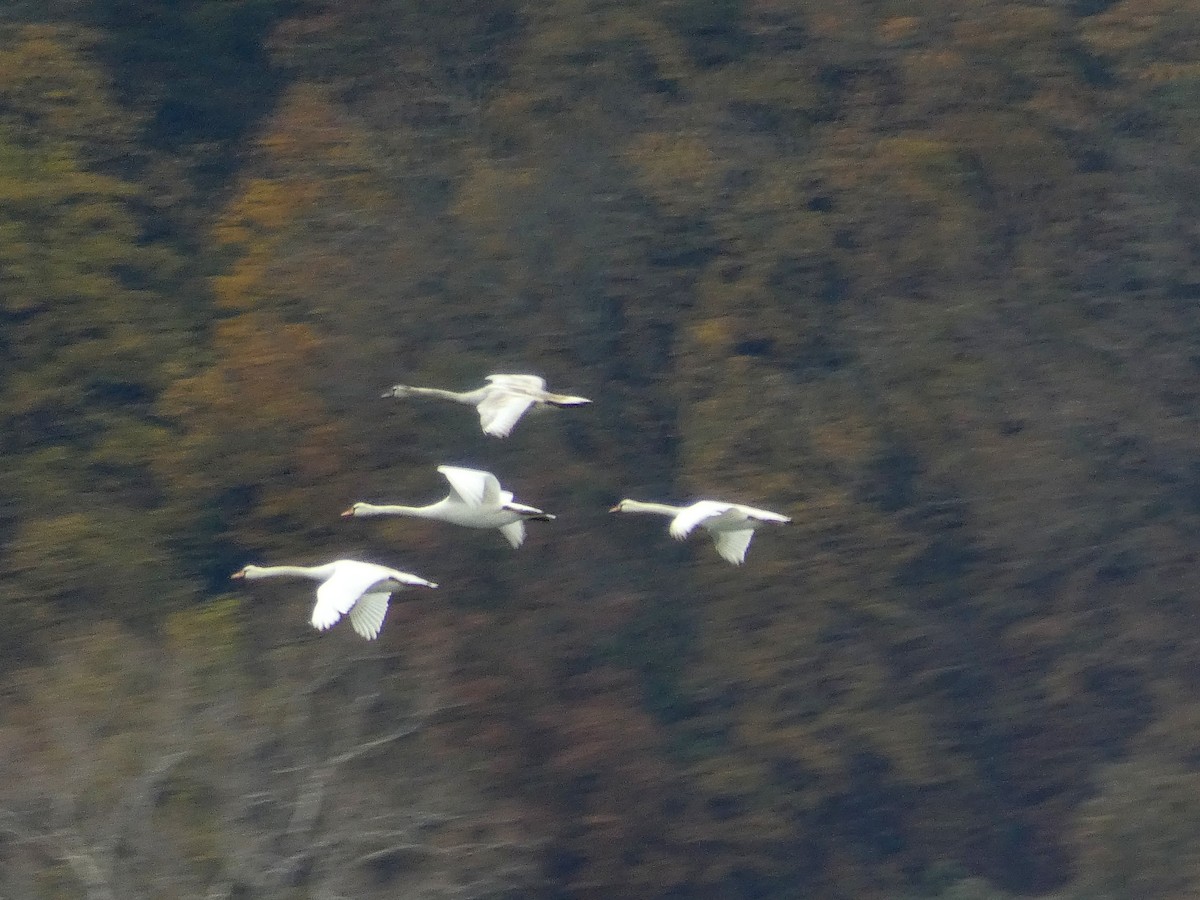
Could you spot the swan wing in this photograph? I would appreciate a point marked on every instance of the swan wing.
(702, 512)
(366, 616)
(514, 532)
(500, 410)
(732, 544)
(338, 594)
(473, 487)
(519, 382)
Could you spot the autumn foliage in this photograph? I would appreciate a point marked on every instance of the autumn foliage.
(921, 275)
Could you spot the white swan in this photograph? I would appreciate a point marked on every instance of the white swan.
(501, 402)
(476, 500)
(347, 586)
(731, 524)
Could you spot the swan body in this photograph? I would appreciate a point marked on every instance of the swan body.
(361, 589)
(500, 402)
(731, 525)
(476, 500)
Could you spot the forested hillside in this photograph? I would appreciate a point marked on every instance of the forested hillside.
(924, 276)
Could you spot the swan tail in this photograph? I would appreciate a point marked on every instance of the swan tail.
(416, 581)
(566, 400)
(532, 513)
(774, 518)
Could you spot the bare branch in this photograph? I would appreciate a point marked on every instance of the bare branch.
(138, 798)
(370, 746)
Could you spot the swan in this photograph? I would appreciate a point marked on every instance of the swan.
(475, 500)
(347, 586)
(501, 402)
(731, 524)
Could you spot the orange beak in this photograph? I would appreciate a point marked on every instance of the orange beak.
(348, 513)
(616, 508)
(238, 575)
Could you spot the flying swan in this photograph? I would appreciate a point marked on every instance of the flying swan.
(501, 402)
(476, 501)
(731, 524)
(347, 586)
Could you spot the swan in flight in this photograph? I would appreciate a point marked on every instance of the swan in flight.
(347, 586)
(731, 524)
(476, 500)
(501, 402)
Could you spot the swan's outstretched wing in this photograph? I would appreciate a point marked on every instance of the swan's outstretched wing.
(732, 544)
(531, 383)
(474, 487)
(698, 513)
(366, 616)
(514, 532)
(338, 594)
(500, 410)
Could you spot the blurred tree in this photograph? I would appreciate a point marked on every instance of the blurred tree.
(87, 345)
(197, 70)
(1135, 838)
(206, 765)
(258, 402)
(921, 275)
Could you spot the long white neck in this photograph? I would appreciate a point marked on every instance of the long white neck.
(662, 509)
(363, 510)
(468, 397)
(317, 573)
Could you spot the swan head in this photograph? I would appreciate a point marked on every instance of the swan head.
(623, 506)
(357, 509)
(397, 390)
(247, 572)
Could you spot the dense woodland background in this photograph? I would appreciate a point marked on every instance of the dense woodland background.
(925, 275)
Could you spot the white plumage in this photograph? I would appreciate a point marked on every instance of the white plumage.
(731, 525)
(476, 500)
(349, 586)
(500, 403)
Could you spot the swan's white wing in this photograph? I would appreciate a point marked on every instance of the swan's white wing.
(492, 495)
(515, 532)
(349, 581)
(473, 487)
(732, 544)
(691, 516)
(500, 410)
(519, 382)
(366, 616)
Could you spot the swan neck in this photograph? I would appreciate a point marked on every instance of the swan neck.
(471, 397)
(316, 572)
(385, 509)
(662, 509)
